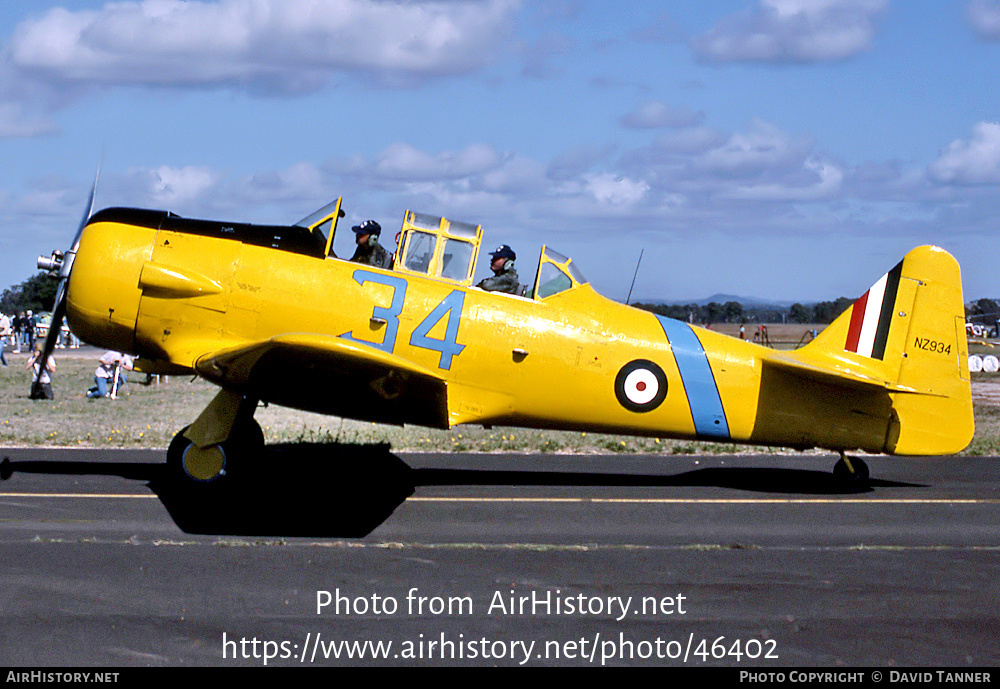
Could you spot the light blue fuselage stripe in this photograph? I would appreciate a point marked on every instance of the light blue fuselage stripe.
(696, 375)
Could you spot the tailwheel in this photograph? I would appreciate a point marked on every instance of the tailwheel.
(214, 464)
(851, 471)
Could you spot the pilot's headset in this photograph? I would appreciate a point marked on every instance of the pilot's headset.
(505, 252)
(370, 228)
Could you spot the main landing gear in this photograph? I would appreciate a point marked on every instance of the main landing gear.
(220, 444)
(851, 471)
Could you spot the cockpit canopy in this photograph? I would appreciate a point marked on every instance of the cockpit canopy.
(438, 247)
(556, 273)
(446, 249)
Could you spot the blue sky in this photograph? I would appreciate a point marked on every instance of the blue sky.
(786, 149)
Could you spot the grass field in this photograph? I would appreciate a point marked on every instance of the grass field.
(781, 335)
(150, 416)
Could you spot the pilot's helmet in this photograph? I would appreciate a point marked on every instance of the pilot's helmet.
(369, 227)
(503, 251)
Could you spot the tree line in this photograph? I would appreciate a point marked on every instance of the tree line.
(735, 312)
(37, 293)
(983, 311)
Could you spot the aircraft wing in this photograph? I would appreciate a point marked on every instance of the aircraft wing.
(331, 375)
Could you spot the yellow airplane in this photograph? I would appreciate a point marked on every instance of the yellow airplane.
(269, 314)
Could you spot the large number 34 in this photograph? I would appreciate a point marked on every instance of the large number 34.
(450, 308)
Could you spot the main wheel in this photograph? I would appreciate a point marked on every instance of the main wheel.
(214, 463)
(189, 462)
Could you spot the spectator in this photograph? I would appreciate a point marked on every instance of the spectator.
(41, 380)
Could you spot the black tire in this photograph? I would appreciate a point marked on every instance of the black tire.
(175, 455)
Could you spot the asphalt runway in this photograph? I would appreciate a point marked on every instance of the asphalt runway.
(331, 556)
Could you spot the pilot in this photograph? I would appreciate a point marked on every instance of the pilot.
(369, 250)
(504, 276)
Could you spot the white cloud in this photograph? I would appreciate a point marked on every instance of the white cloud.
(301, 182)
(517, 175)
(282, 46)
(763, 147)
(47, 202)
(679, 144)
(825, 183)
(14, 123)
(404, 162)
(793, 31)
(657, 114)
(615, 190)
(577, 160)
(972, 161)
(713, 170)
(173, 188)
(985, 18)
(472, 180)
(38, 218)
(729, 183)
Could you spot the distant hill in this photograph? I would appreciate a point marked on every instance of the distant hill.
(755, 302)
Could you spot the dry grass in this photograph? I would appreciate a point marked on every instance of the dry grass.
(781, 335)
(986, 404)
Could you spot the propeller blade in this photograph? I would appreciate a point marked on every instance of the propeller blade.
(59, 307)
(86, 213)
(55, 325)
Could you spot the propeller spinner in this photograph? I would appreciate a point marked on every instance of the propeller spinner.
(60, 265)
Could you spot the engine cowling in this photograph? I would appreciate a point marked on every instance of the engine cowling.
(104, 292)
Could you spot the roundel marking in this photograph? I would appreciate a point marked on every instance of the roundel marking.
(640, 386)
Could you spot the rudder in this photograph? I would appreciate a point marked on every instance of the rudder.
(937, 418)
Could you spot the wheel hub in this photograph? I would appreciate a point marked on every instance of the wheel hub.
(204, 464)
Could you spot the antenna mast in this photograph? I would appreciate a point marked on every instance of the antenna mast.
(629, 297)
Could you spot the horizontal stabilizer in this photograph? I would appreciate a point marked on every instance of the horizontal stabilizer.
(839, 376)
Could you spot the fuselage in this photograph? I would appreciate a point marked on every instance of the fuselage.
(172, 291)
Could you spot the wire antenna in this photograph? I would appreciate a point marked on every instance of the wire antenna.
(629, 297)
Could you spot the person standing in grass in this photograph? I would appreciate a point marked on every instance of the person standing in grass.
(18, 330)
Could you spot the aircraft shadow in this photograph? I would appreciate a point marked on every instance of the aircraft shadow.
(316, 490)
(347, 491)
(758, 480)
(322, 491)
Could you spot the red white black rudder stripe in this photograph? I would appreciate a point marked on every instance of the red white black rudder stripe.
(871, 316)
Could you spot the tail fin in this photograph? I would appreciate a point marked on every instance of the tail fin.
(909, 330)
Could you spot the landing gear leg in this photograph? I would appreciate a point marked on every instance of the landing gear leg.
(851, 471)
(223, 440)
